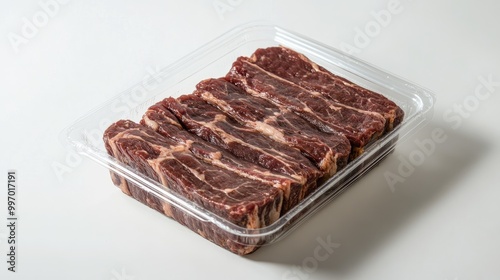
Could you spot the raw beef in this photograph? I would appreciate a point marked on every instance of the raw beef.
(247, 203)
(165, 123)
(359, 126)
(329, 152)
(214, 126)
(249, 147)
(298, 69)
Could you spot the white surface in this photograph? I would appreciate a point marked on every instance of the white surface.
(440, 223)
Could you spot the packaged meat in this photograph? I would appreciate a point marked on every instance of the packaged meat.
(240, 150)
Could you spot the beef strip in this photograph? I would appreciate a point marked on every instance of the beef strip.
(240, 200)
(329, 152)
(245, 202)
(165, 123)
(360, 127)
(297, 68)
(214, 126)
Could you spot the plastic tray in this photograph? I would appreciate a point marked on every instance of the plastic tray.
(214, 60)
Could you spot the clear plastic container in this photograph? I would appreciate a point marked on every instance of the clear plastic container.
(214, 60)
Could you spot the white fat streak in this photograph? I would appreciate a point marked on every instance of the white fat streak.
(216, 156)
(329, 164)
(112, 142)
(253, 58)
(211, 99)
(219, 118)
(274, 214)
(167, 209)
(315, 93)
(253, 218)
(374, 114)
(269, 130)
(152, 124)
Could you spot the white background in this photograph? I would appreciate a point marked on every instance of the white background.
(442, 222)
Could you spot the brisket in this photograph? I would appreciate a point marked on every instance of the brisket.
(297, 68)
(329, 152)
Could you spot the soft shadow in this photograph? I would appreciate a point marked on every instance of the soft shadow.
(368, 214)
